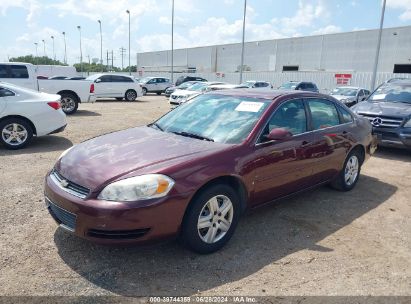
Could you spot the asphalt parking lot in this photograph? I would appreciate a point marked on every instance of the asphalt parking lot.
(319, 243)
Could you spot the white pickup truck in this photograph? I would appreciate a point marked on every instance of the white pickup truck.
(72, 92)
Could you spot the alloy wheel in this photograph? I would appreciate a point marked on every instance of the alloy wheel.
(215, 219)
(351, 170)
(68, 104)
(14, 134)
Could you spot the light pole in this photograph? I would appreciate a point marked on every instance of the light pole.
(81, 52)
(377, 53)
(54, 53)
(37, 55)
(242, 43)
(129, 42)
(44, 47)
(65, 48)
(172, 41)
(101, 46)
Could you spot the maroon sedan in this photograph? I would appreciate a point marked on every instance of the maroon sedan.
(193, 172)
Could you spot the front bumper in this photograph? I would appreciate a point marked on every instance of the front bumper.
(393, 137)
(115, 222)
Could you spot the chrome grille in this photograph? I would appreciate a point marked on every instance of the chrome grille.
(63, 217)
(69, 186)
(383, 121)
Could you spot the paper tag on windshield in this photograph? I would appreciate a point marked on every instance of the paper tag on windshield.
(249, 106)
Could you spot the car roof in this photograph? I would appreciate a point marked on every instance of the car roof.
(268, 94)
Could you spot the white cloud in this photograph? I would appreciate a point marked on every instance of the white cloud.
(329, 29)
(404, 5)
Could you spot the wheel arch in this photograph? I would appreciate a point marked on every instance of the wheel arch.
(361, 149)
(235, 182)
(33, 127)
(70, 92)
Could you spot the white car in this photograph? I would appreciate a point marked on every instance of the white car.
(72, 92)
(181, 96)
(116, 86)
(254, 84)
(155, 84)
(24, 113)
(350, 95)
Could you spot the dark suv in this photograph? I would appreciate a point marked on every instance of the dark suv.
(299, 85)
(183, 79)
(389, 110)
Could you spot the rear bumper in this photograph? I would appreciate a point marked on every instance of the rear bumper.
(61, 129)
(92, 98)
(389, 137)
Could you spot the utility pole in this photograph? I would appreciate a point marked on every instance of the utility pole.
(54, 53)
(44, 47)
(37, 55)
(112, 60)
(172, 42)
(129, 42)
(101, 47)
(65, 48)
(242, 43)
(377, 53)
(107, 62)
(81, 51)
(122, 52)
(88, 56)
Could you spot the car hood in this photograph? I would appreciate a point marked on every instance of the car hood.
(394, 109)
(341, 97)
(100, 160)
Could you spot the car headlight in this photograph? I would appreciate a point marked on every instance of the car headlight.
(408, 123)
(137, 188)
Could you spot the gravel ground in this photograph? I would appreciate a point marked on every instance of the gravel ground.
(320, 243)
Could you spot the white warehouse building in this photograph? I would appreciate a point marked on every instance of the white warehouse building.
(318, 57)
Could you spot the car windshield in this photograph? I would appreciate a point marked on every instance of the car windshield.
(185, 85)
(197, 87)
(344, 91)
(219, 118)
(289, 86)
(393, 92)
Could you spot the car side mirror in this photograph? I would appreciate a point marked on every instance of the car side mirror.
(278, 134)
(97, 80)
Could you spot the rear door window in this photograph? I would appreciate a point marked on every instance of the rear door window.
(4, 71)
(324, 114)
(5, 92)
(19, 71)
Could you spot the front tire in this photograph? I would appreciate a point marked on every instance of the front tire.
(15, 133)
(144, 91)
(349, 175)
(131, 95)
(211, 219)
(69, 103)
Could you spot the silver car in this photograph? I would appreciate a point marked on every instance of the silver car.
(350, 95)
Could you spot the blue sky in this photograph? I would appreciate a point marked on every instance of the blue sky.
(198, 22)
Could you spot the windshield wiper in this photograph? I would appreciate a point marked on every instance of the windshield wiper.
(193, 135)
(154, 124)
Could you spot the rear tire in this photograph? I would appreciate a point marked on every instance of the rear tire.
(131, 95)
(159, 93)
(211, 219)
(349, 175)
(15, 133)
(69, 103)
